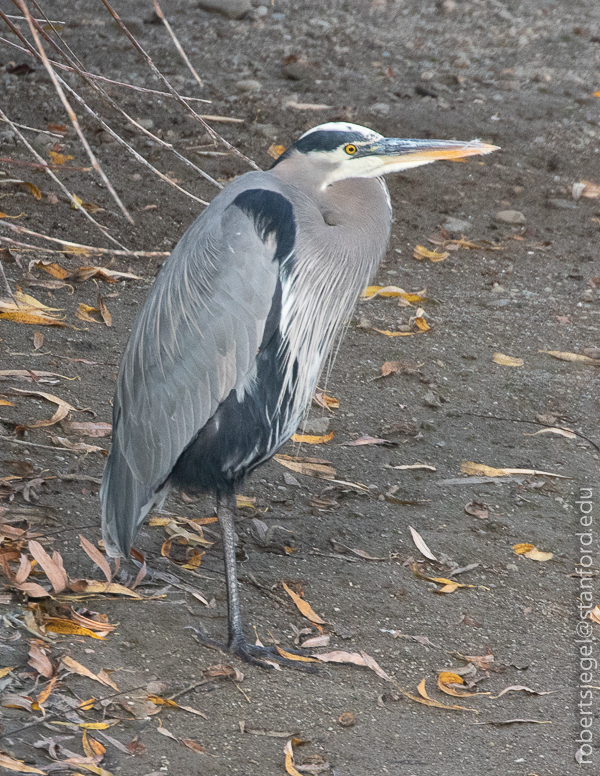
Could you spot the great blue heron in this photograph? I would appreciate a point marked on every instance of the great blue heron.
(224, 357)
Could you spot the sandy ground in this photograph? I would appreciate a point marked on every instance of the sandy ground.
(520, 75)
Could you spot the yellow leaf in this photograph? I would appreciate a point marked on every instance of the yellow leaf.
(309, 439)
(69, 628)
(427, 701)
(32, 318)
(45, 693)
(304, 607)
(6, 670)
(52, 268)
(446, 678)
(421, 252)
(480, 469)
(523, 547)
(275, 151)
(76, 202)
(19, 766)
(327, 402)
(300, 658)
(531, 551)
(33, 189)
(289, 760)
(500, 358)
(159, 521)
(89, 725)
(421, 323)
(3, 215)
(241, 502)
(393, 291)
(57, 158)
(6, 403)
(562, 355)
(158, 701)
(394, 333)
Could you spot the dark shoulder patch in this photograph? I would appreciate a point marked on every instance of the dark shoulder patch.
(272, 214)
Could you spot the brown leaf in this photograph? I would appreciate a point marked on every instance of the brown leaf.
(106, 316)
(347, 719)
(521, 688)
(61, 413)
(327, 402)
(368, 440)
(95, 586)
(38, 658)
(314, 467)
(52, 566)
(304, 607)
(477, 509)
(193, 745)
(98, 558)
(77, 668)
(421, 252)
(38, 340)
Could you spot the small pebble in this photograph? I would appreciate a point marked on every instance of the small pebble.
(511, 217)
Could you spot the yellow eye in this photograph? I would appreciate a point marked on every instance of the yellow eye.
(350, 149)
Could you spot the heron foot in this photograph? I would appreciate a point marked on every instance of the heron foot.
(264, 657)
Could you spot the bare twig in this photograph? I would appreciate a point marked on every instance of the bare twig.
(34, 26)
(99, 90)
(59, 183)
(175, 40)
(36, 130)
(96, 77)
(74, 246)
(173, 91)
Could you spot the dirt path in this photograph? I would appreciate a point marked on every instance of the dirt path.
(519, 75)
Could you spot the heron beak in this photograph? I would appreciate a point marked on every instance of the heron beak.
(397, 154)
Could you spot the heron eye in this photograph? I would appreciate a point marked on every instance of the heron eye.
(350, 149)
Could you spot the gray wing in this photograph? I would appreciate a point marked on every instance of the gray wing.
(194, 341)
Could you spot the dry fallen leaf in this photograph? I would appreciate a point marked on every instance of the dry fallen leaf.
(394, 291)
(480, 469)
(448, 585)
(420, 544)
(407, 466)
(421, 252)
(77, 668)
(368, 440)
(98, 558)
(61, 413)
(427, 701)
(565, 432)
(289, 759)
(531, 551)
(275, 151)
(310, 439)
(193, 745)
(594, 614)
(69, 628)
(327, 402)
(304, 607)
(500, 358)
(520, 688)
(314, 467)
(17, 765)
(53, 566)
(87, 428)
(445, 681)
(477, 509)
(562, 355)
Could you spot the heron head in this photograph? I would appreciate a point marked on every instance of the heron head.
(341, 150)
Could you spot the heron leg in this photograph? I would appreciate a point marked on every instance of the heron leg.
(236, 642)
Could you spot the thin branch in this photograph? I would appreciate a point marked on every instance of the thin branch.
(34, 26)
(72, 245)
(175, 40)
(58, 182)
(36, 130)
(113, 104)
(96, 77)
(173, 91)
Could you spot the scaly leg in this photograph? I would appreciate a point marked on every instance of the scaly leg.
(236, 642)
